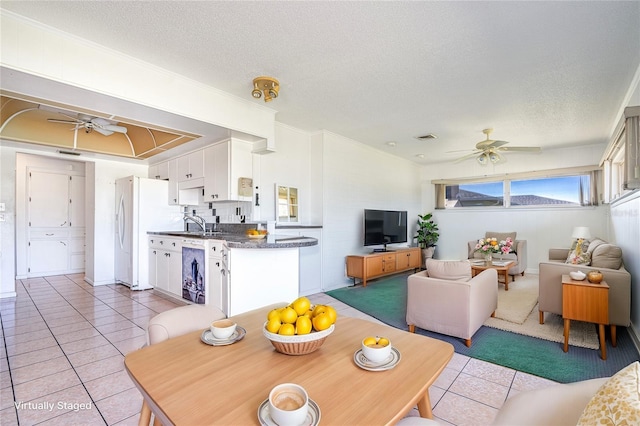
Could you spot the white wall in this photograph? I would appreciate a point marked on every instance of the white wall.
(7, 228)
(543, 228)
(357, 177)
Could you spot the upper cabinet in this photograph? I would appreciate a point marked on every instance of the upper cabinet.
(159, 171)
(228, 172)
(191, 166)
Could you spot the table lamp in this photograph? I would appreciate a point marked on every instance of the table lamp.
(580, 233)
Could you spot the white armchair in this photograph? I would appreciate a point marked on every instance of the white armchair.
(445, 299)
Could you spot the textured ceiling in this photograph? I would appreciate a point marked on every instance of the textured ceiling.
(546, 74)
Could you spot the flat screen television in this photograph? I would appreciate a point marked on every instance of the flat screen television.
(382, 227)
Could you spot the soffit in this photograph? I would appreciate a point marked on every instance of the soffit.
(26, 120)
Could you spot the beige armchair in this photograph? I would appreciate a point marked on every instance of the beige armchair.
(518, 255)
(445, 299)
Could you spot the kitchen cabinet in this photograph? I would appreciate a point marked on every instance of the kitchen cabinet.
(165, 264)
(191, 166)
(159, 171)
(172, 170)
(56, 223)
(310, 274)
(227, 162)
(218, 292)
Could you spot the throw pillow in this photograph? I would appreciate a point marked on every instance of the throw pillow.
(617, 402)
(607, 256)
(595, 243)
(584, 258)
(453, 270)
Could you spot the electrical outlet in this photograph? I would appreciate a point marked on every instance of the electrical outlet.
(1, 217)
(2, 207)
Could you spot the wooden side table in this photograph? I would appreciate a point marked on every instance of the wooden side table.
(585, 301)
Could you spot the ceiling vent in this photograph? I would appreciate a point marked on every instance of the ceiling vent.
(68, 152)
(427, 136)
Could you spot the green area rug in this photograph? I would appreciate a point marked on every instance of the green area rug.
(386, 299)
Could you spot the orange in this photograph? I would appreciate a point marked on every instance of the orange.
(288, 315)
(274, 313)
(303, 325)
(319, 309)
(321, 322)
(301, 305)
(273, 325)
(287, 330)
(330, 310)
(369, 341)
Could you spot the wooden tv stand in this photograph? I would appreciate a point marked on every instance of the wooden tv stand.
(378, 264)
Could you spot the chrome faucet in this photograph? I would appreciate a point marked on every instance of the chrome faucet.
(197, 220)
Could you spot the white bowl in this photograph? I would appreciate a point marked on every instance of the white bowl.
(298, 344)
(577, 275)
(376, 353)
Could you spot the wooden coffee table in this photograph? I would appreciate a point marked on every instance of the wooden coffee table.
(187, 382)
(502, 268)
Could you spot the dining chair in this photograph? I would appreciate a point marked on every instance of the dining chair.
(173, 323)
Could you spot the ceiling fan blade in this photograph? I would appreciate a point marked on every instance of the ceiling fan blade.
(102, 131)
(466, 157)
(114, 128)
(55, 120)
(522, 149)
(101, 123)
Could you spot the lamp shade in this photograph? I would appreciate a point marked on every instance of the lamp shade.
(581, 232)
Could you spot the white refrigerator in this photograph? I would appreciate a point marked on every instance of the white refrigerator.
(142, 205)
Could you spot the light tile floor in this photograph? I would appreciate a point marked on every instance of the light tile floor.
(64, 342)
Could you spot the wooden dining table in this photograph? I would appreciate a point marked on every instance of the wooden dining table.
(188, 382)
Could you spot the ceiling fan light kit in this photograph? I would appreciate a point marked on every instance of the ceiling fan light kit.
(267, 85)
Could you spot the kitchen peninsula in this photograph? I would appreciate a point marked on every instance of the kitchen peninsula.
(234, 272)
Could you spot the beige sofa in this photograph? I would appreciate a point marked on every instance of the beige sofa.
(606, 258)
(518, 255)
(445, 299)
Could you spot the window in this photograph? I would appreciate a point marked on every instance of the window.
(535, 189)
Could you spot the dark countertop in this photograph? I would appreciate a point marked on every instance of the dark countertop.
(242, 241)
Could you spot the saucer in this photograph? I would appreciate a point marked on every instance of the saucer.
(207, 337)
(313, 416)
(362, 362)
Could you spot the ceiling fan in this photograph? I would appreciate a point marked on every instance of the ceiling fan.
(89, 124)
(488, 150)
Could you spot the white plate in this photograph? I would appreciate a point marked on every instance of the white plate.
(207, 337)
(362, 362)
(313, 416)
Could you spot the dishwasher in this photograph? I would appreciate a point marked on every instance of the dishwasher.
(195, 264)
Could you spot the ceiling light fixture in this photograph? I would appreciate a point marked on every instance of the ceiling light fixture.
(420, 155)
(483, 159)
(391, 143)
(267, 85)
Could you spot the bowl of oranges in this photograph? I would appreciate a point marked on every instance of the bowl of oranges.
(299, 328)
(256, 234)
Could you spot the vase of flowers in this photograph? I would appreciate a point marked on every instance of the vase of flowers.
(490, 246)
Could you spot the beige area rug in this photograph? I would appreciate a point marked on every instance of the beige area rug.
(518, 313)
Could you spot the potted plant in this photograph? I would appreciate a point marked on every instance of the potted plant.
(427, 236)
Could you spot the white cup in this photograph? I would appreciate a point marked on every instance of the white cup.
(376, 353)
(222, 329)
(288, 404)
